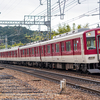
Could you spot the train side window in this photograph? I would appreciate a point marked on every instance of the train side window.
(38, 50)
(52, 47)
(8, 53)
(48, 48)
(23, 52)
(57, 47)
(75, 45)
(11, 53)
(33, 51)
(14, 53)
(68, 46)
(27, 51)
(45, 49)
(42, 49)
(62, 46)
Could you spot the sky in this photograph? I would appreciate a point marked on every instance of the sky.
(16, 9)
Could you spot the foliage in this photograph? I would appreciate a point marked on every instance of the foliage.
(73, 26)
(66, 28)
(79, 26)
(21, 35)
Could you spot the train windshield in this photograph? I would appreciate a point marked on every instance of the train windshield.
(90, 38)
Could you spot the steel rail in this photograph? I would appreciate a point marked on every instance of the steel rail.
(57, 80)
(66, 76)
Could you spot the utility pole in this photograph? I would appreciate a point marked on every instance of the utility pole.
(6, 41)
(79, 2)
(12, 41)
(61, 8)
(49, 17)
(41, 2)
(99, 11)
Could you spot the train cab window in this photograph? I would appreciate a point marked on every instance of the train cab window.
(52, 47)
(42, 49)
(62, 46)
(57, 47)
(68, 46)
(91, 43)
(48, 48)
(23, 52)
(75, 45)
(32, 50)
(27, 51)
(90, 38)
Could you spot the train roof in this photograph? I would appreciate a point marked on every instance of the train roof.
(58, 38)
(9, 49)
(66, 36)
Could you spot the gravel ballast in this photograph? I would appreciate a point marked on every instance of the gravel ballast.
(48, 90)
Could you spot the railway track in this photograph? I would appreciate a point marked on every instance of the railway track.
(84, 84)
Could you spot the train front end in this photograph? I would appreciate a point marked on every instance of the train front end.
(91, 42)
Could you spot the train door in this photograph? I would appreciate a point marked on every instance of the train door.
(40, 53)
(98, 47)
(77, 50)
(74, 49)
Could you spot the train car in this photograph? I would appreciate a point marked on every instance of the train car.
(9, 55)
(77, 50)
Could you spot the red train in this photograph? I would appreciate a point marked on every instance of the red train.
(77, 50)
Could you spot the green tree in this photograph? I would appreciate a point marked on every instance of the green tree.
(60, 29)
(86, 26)
(79, 26)
(68, 28)
(73, 26)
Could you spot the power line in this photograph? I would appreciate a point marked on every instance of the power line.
(36, 8)
(10, 6)
(13, 7)
(80, 16)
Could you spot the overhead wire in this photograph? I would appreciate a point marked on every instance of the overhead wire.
(10, 6)
(37, 8)
(80, 16)
(7, 3)
(1, 2)
(71, 3)
(55, 9)
(13, 7)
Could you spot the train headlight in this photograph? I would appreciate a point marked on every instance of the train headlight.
(98, 32)
(90, 58)
(89, 34)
